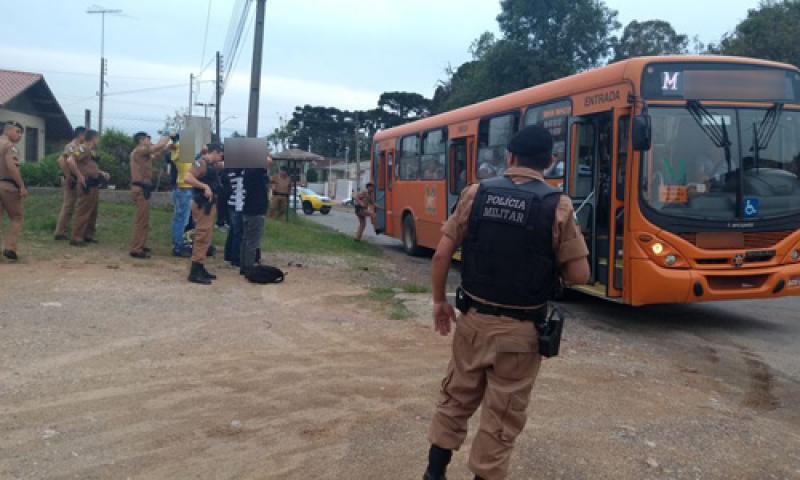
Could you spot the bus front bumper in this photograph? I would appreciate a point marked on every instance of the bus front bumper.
(653, 284)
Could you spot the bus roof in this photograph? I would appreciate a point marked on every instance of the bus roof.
(626, 70)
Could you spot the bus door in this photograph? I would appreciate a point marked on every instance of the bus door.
(590, 189)
(457, 169)
(622, 147)
(379, 178)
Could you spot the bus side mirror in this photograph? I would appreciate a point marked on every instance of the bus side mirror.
(642, 133)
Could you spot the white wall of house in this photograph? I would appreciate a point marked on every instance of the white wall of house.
(28, 121)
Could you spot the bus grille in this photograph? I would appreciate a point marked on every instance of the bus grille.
(737, 282)
(751, 240)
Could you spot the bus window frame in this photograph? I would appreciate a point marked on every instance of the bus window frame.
(398, 159)
(567, 130)
(421, 149)
(487, 119)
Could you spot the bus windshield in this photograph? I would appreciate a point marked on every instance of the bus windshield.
(694, 169)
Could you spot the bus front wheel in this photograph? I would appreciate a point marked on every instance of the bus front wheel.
(410, 237)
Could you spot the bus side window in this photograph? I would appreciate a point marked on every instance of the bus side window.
(622, 156)
(583, 182)
(434, 146)
(408, 161)
(493, 137)
(389, 170)
(555, 118)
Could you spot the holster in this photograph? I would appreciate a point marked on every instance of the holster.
(463, 301)
(94, 182)
(72, 182)
(550, 333)
(147, 189)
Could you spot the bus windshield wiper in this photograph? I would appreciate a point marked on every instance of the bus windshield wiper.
(716, 131)
(763, 133)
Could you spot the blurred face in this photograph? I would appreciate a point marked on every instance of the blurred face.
(13, 133)
(214, 157)
(147, 141)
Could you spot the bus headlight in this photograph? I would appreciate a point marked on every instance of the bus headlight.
(662, 253)
(795, 255)
(657, 248)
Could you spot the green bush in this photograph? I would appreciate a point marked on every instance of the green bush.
(114, 149)
(45, 173)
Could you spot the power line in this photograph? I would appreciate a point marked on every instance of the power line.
(150, 89)
(205, 36)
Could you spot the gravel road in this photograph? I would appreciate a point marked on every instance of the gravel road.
(115, 369)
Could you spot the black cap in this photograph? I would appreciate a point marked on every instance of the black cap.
(12, 123)
(531, 141)
(214, 147)
(139, 136)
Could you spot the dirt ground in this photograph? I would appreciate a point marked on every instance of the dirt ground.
(114, 370)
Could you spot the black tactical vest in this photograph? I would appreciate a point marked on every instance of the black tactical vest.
(508, 256)
(212, 179)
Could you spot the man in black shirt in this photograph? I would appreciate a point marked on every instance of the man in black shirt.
(256, 202)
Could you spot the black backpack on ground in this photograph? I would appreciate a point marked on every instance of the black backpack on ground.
(264, 274)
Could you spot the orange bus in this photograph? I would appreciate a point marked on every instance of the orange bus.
(683, 172)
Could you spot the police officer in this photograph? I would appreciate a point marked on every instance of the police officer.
(518, 235)
(204, 177)
(281, 184)
(69, 184)
(142, 187)
(12, 188)
(85, 168)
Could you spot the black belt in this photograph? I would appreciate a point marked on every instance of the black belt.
(536, 315)
(9, 180)
(280, 194)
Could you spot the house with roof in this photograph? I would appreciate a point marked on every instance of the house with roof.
(26, 98)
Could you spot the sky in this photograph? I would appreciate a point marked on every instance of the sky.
(339, 53)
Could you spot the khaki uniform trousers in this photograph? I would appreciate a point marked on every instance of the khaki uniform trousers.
(278, 205)
(141, 223)
(203, 232)
(85, 223)
(67, 207)
(11, 205)
(495, 362)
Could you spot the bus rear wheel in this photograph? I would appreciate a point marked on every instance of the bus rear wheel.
(410, 237)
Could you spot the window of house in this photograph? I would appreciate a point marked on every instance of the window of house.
(555, 118)
(493, 137)
(31, 145)
(433, 159)
(408, 161)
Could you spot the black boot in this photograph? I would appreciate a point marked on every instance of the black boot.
(206, 273)
(438, 459)
(196, 274)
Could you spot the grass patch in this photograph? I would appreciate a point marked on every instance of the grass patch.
(399, 311)
(416, 288)
(381, 294)
(115, 229)
(396, 308)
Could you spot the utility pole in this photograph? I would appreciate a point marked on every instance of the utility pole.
(218, 106)
(191, 93)
(255, 71)
(87, 119)
(358, 160)
(102, 12)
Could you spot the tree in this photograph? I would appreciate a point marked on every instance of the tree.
(567, 36)
(650, 38)
(542, 40)
(404, 104)
(312, 176)
(769, 32)
(173, 123)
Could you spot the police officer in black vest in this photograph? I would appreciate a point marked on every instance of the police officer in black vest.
(519, 240)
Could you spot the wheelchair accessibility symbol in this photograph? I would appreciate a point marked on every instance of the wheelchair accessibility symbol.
(750, 207)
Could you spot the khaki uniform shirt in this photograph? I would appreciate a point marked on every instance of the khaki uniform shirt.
(9, 163)
(70, 150)
(87, 164)
(568, 242)
(364, 199)
(281, 184)
(142, 163)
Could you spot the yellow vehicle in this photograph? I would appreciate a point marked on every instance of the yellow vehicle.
(312, 202)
